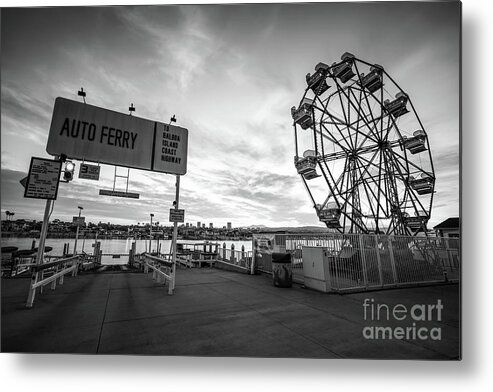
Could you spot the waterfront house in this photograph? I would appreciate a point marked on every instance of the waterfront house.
(448, 228)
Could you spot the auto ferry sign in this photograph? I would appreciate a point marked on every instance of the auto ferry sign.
(86, 132)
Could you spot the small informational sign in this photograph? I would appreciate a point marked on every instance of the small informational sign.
(263, 243)
(89, 172)
(83, 131)
(176, 215)
(170, 149)
(79, 221)
(129, 195)
(43, 179)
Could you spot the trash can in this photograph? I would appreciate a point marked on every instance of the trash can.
(281, 270)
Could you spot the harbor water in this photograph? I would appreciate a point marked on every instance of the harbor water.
(111, 246)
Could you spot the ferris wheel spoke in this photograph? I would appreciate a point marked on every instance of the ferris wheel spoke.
(370, 123)
(388, 128)
(351, 214)
(408, 192)
(347, 117)
(346, 120)
(339, 183)
(379, 189)
(373, 120)
(349, 126)
(410, 163)
(327, 131)
(329, 179)
(366, 175)
(357, 118)
(392, 125)
(338, 128)
(373, 127)
(393, 195)
(327, 135)
(359, 109)
(367, 189)
(364, 94)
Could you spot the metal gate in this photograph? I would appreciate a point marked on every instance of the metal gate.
(368, 262)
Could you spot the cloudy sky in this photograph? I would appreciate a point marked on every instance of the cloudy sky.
(230, 74)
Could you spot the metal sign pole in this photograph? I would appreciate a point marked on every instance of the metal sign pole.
(77, 233)
(150, 236)
(39, 255)
(175, 235)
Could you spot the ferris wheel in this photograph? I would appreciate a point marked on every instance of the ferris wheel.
(362, 151)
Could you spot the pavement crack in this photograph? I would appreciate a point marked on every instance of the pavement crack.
(104, 318)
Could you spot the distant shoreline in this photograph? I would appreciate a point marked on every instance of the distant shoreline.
(118, 237)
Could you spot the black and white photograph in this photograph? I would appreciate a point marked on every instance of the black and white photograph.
(266, 180)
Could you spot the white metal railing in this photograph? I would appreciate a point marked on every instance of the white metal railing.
(13, 265)
(162, 269)
(46, 273)
(364, 262)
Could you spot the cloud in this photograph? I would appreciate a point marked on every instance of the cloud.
(24, 115)
(182, 47)
(230, 74)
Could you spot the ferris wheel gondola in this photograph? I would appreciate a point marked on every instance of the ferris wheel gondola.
(362, 151)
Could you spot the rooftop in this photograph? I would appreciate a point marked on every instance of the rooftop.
(450, 223)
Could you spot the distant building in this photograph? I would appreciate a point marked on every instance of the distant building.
(448, 228)
(229, 225)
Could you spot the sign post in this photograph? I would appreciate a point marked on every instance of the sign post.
(79, 221)
(39, 255)
(175, 236)
(42, 183)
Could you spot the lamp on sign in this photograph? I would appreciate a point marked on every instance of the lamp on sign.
(68, 171)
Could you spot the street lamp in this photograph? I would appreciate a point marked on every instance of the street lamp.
(77, 233)
(150, 234)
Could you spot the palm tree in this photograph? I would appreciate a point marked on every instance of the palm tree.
(9, 218)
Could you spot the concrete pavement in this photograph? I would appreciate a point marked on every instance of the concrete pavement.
(221, 313)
